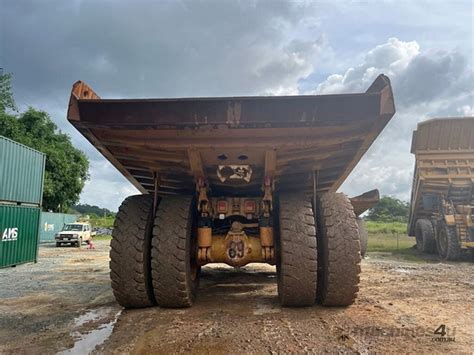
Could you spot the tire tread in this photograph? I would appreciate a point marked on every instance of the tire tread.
(129, 269)
(339, 251)
(297, 269)
(170, 252)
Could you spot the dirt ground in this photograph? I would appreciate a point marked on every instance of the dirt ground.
(64, 304)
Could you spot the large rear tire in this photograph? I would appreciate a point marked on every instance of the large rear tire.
(424, 233)
(130, 253)
(297, 265)
(174, 269)
(448, 244)
(338, 251)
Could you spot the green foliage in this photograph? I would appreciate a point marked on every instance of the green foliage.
(374, 227)
(91, 211)
(103, 222)
(6, 94)
(389, 209)
(98, 217)
(66, 167)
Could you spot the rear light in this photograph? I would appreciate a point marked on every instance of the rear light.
(249, 206)
(222, 206)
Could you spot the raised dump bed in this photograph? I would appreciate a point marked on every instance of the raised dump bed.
(235, 180)
(442, 193)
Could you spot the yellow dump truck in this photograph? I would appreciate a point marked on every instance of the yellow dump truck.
(442, 199)
(235, 180)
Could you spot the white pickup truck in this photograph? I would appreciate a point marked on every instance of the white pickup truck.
(74, 234)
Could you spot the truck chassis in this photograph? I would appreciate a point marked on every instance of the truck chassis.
(236, 181)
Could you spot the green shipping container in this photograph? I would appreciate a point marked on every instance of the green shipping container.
(19, 234)
(52, 223)
(21, 173)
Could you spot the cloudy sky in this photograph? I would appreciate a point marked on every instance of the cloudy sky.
(130, 49)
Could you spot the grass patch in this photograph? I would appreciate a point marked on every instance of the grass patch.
(103, 237)
(386, 227)
(395, 245)
(385, 242)
(392, 238)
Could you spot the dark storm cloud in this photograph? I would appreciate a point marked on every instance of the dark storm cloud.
(435, 74)
(221, 48)
(150, 49)
(182, 48)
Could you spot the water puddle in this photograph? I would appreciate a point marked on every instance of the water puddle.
(90, 316)
(86, 342)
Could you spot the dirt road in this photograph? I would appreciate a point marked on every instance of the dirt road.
(64, 303)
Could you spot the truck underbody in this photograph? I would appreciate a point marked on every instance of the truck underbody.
(236, 180)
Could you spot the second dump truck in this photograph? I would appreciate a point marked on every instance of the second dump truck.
(442, 200)
(235, 180)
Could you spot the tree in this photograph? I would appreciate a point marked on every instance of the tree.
(6, 94)
(66, 167)
(389, 209)
(92, 210)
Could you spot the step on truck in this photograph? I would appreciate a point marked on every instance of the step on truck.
(442, 198)
(235, 180)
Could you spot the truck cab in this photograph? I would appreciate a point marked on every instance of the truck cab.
(74, 234)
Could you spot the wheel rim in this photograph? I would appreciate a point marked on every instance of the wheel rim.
(443, 242)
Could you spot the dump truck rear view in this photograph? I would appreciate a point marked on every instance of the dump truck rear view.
(442, 199)
(235, 180)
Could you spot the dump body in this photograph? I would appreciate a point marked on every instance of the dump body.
(234, 142)
(444, 170)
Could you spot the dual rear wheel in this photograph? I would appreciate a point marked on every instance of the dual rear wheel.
(446, 242)
(153, 257)
(318, 263)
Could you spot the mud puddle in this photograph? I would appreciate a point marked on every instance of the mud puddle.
(92, 329)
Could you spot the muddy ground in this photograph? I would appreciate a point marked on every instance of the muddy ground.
(65, 304)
